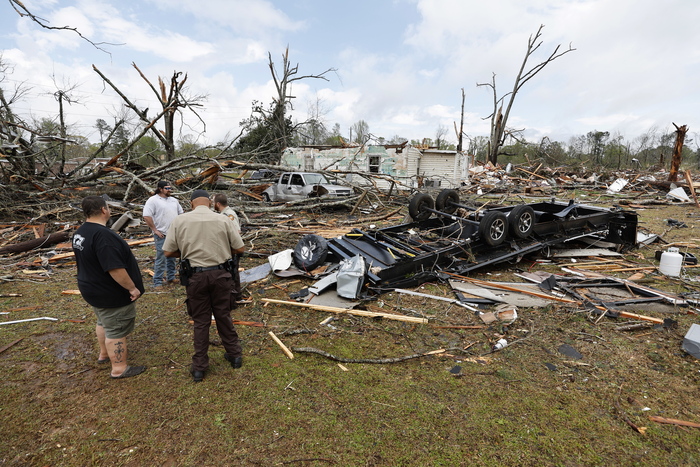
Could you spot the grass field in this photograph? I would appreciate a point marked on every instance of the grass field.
(59, 407)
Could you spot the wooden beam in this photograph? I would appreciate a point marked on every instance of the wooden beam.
(284, 348)
(673, 421)
(332, 309)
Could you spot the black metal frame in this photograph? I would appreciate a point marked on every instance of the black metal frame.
(420, 251)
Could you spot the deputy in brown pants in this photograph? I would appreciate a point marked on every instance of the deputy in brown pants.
(208, 240)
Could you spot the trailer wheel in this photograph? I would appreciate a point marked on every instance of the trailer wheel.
(522, 221)
(310, 252)
(419, 205)
(444, 201)
(493, 228)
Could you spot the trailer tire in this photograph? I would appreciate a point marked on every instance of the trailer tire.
(419, 205)
(521, 221)
(493, 228)
(445, 199)
(310, 252)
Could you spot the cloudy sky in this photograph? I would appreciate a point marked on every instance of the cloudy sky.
(400, 64)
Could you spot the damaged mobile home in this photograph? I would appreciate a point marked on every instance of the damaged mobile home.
(406, 164)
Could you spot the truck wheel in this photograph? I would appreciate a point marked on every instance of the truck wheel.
(310, 252)
(522, 221)
(493, 228)
(417, 207)
(266, 197)
(444, 201)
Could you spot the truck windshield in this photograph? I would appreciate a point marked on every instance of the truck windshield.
(315, 179)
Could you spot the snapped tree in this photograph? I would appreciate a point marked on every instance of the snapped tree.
(499, 119)
(270, 131)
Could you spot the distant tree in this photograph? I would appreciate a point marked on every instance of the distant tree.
(440, 135)
(258, 142)
(119, 140)
(314, 131)
(615, 152)
(148, 150)
(270, 130)
(335, 138)
(360, 132)
(596, 143)
(187, 145)
(551, 152)
(103, 129)
(396, 139)
(499, 119)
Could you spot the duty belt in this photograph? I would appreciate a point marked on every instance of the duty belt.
(208, 268)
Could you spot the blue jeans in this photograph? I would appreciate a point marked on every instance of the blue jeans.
(164, 266)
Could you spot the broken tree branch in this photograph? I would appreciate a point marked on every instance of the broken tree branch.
(365, 360)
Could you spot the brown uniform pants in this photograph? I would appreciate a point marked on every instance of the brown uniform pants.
(209, 292)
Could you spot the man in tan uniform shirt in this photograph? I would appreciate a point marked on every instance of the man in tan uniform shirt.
(208, 240)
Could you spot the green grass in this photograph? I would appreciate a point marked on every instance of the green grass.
(59, 407)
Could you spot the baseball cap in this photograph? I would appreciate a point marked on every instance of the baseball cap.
(199, 194)
(163, 184)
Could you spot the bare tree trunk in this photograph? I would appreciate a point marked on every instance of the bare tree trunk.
(461, 126)
(677, 152)
(62, 123)
(499, 120)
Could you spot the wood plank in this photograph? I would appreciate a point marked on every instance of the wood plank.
(673, 421)
(332, 309)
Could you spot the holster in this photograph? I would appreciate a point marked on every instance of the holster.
(232, 267)
(185, 271)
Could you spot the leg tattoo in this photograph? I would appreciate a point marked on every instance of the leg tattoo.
(118, 351)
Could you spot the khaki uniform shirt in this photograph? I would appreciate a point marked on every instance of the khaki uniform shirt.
(202, 236)
(233, 216)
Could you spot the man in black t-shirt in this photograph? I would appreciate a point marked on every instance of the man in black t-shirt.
(109, 279)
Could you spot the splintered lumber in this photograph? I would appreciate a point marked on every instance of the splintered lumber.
(284, 348)
(673, 421)
(689, 179)
(46, 240)
(625, 314)
(332, 309)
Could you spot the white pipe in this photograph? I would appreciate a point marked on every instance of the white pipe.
(30, 319)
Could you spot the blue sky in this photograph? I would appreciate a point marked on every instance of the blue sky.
(401, 64)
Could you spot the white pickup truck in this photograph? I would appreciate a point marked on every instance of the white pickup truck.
(299, 185)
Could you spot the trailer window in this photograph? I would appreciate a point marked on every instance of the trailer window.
(374, 163)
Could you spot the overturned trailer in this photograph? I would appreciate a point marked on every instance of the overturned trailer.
(446, 236)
